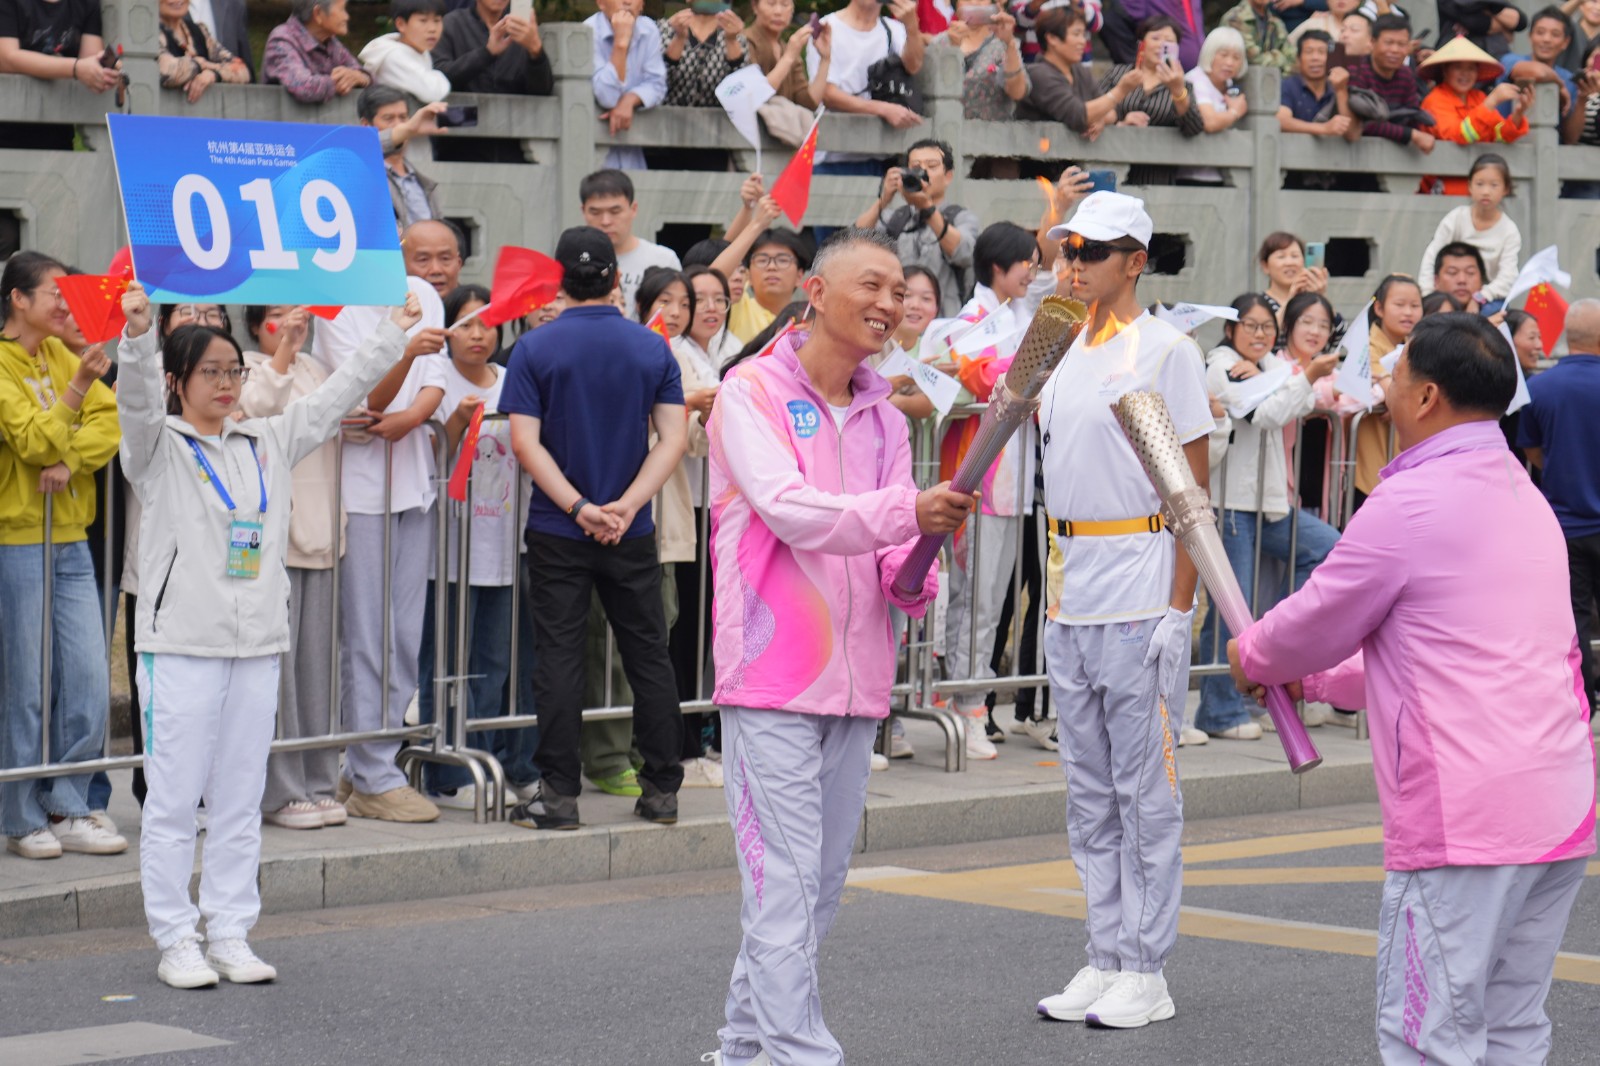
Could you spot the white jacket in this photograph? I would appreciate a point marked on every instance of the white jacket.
(1241, 461)
(399, 66)
(188, 605)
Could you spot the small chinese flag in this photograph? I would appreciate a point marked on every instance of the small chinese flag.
(323, 311)
(122, 264)
(457, 489)
(524, 281)
(792, 190)
(95, 301)
(771, 346)
(1549, 310)
(658, 325)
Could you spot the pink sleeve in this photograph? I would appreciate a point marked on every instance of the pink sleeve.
(1344, 686)
(1348, 595)
(761, 462)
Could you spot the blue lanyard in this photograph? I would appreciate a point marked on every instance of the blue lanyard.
(216, 482)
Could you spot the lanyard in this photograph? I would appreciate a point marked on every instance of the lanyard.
(216, 482)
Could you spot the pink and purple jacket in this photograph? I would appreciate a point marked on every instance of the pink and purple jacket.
(809, 526)
(1444, 611)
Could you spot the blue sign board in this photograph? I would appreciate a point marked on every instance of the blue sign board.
(257, 212)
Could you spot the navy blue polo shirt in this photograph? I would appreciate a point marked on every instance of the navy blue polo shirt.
(1561, 419)
(1293, 94)
(591, 377)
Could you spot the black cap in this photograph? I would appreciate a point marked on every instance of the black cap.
(586, 252)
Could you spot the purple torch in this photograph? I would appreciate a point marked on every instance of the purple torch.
(1014, 401)
(1187, 510)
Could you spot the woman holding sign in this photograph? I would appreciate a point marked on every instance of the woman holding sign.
(212, 618)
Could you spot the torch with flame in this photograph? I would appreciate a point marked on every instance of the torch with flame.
(1187, 510)
(1014, 400)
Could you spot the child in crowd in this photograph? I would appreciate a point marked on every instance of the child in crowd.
(1484, 225)
(402, 59)
(470, 379)
(300, 784)
(212, 628)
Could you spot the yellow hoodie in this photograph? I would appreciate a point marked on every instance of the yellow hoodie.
(33, 437)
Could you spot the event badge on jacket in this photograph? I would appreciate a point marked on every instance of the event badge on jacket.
(244, 537)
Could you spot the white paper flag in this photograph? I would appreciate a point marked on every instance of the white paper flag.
(1542, 267)
(994, 331)
(939, 387)
(741, 94)
(1355, 373)
(1248, 394)
(1388, 361)
(1189, 317)
(1520, 398)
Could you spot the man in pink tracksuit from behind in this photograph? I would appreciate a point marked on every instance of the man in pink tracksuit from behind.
(1443, 610)
(812, 512)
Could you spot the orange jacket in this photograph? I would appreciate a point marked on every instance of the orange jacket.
(1468, 121)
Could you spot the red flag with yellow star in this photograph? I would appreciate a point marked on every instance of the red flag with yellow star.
(1549, 309)
(792, 190)
(524, 281)
(457, 487)
(95, 301)
(658, 325)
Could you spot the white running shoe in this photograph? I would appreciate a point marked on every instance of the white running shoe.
(715, 1059)
(296, 814)
(39, 844)
(1088, 985)
(86, 837)
(1347, 719)
(1042, 731)
(464, 797)
(701, 773)
(879, 762)
(1133, 1000)
(1242, 731)
(332, 811)
(1190, 737)
(103, 820)
(978, 745)
(234, 960)
(182, 966)
(1312, 715)
(900, 747)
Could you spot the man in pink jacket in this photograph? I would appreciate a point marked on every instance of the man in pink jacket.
(812, 513)
(1444, 612)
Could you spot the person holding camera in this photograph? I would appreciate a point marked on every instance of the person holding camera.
(927, 231)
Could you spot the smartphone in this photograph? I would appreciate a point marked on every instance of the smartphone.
(815, 22)
(522, 9)
(1316, 252)
(978, 16)
(109, 57)
(709, 7)
(458, 116)
(1169, 53)
(1102, 181)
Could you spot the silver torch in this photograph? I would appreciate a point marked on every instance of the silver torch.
(1187, 510)
(1014, 401)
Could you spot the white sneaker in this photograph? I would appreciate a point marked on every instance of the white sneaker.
(182, 966)
(85, 837)
(1087, 986)
(900, 747)
(524, 793)
(1042, 731)
(1347, 719)
(1190, 737)
(332, 811)
(701, 773)
(715, 1059)
(413, 715)
(39, 844)
(1133, 1000)
(103, 820)
(1242, 731)
(879, 762)
(978, 745)
(296, 814)
(464, 797)
(234, 960)
(1312, 715)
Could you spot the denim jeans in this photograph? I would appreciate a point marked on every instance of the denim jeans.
(79, 685)
(489, 664)
(1221, 705)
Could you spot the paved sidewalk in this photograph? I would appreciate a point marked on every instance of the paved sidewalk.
(912, 804)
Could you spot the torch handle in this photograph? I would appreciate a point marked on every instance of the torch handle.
(914, 571)
(1297, 746)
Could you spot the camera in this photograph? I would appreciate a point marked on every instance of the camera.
(912, 179)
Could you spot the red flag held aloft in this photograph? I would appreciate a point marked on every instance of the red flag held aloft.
(524, 281)
(792, 190)
(95, 301)
(1549, 309)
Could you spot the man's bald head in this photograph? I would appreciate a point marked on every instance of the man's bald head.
(857, 290)
(1583, 326)
(433, 250)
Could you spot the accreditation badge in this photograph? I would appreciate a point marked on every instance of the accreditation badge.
(244, 550)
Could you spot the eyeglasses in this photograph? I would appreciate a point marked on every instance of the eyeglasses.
(1314, 324)
(193, 313)
(1093, 251)
(762, 262)
(716, 303)
(213, 375)
(1260, 329)
(52, 293)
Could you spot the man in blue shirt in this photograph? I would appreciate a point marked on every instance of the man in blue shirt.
(1307, 97)
(629, 70)
(584, 393)
(1561, 434)
(1549, 35)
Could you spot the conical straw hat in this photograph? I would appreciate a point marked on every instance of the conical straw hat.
(1461, 50)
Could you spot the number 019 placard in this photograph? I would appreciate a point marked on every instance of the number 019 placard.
(257, 212)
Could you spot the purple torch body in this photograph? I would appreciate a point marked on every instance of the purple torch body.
(1187, 510)
(1014, 400)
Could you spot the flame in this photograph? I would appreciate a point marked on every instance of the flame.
(1044, 147)
(1113, 326)
(1049, 196)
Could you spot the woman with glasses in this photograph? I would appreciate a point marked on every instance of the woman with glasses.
(213, 618)
(1266, 394)
(58, 425)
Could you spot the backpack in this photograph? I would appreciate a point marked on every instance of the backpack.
(889, 81)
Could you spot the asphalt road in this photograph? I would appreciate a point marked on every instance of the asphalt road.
(937, 958)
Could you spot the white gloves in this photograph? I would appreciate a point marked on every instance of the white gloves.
(1169, 645)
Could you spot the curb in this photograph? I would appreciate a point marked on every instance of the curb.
(519, 859)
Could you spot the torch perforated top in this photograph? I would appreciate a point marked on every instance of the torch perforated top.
(1053, 329)
(1145, 419)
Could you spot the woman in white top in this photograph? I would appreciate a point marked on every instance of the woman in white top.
(213, 618)
(1250, 486)
(1220, 101)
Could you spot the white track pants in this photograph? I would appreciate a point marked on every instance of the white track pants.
(795, 785)
(208, 725)
(975, 603)
(1124, 805)
(1465, 957)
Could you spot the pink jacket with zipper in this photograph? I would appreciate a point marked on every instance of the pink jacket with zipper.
(809, 526)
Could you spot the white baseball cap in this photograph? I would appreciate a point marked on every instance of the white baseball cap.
(1107, 216)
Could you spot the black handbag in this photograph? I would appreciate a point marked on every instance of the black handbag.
(889, 81)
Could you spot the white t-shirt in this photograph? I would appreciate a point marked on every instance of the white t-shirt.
(336, 341)
(853, 52)
(1203, 91)
(633, 265)
(495, 537)
(1091, 472)
(839, 414)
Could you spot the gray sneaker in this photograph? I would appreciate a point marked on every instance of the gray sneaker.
(546, 810)
(655, 805)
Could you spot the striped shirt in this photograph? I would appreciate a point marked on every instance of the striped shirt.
(1402, 90)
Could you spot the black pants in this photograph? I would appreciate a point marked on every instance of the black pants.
(627, 578)
(1028, 647)
(1583, 564)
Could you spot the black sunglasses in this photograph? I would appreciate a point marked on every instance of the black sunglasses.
(1094, 251)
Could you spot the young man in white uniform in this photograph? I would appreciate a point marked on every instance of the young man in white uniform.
(1117, 648)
